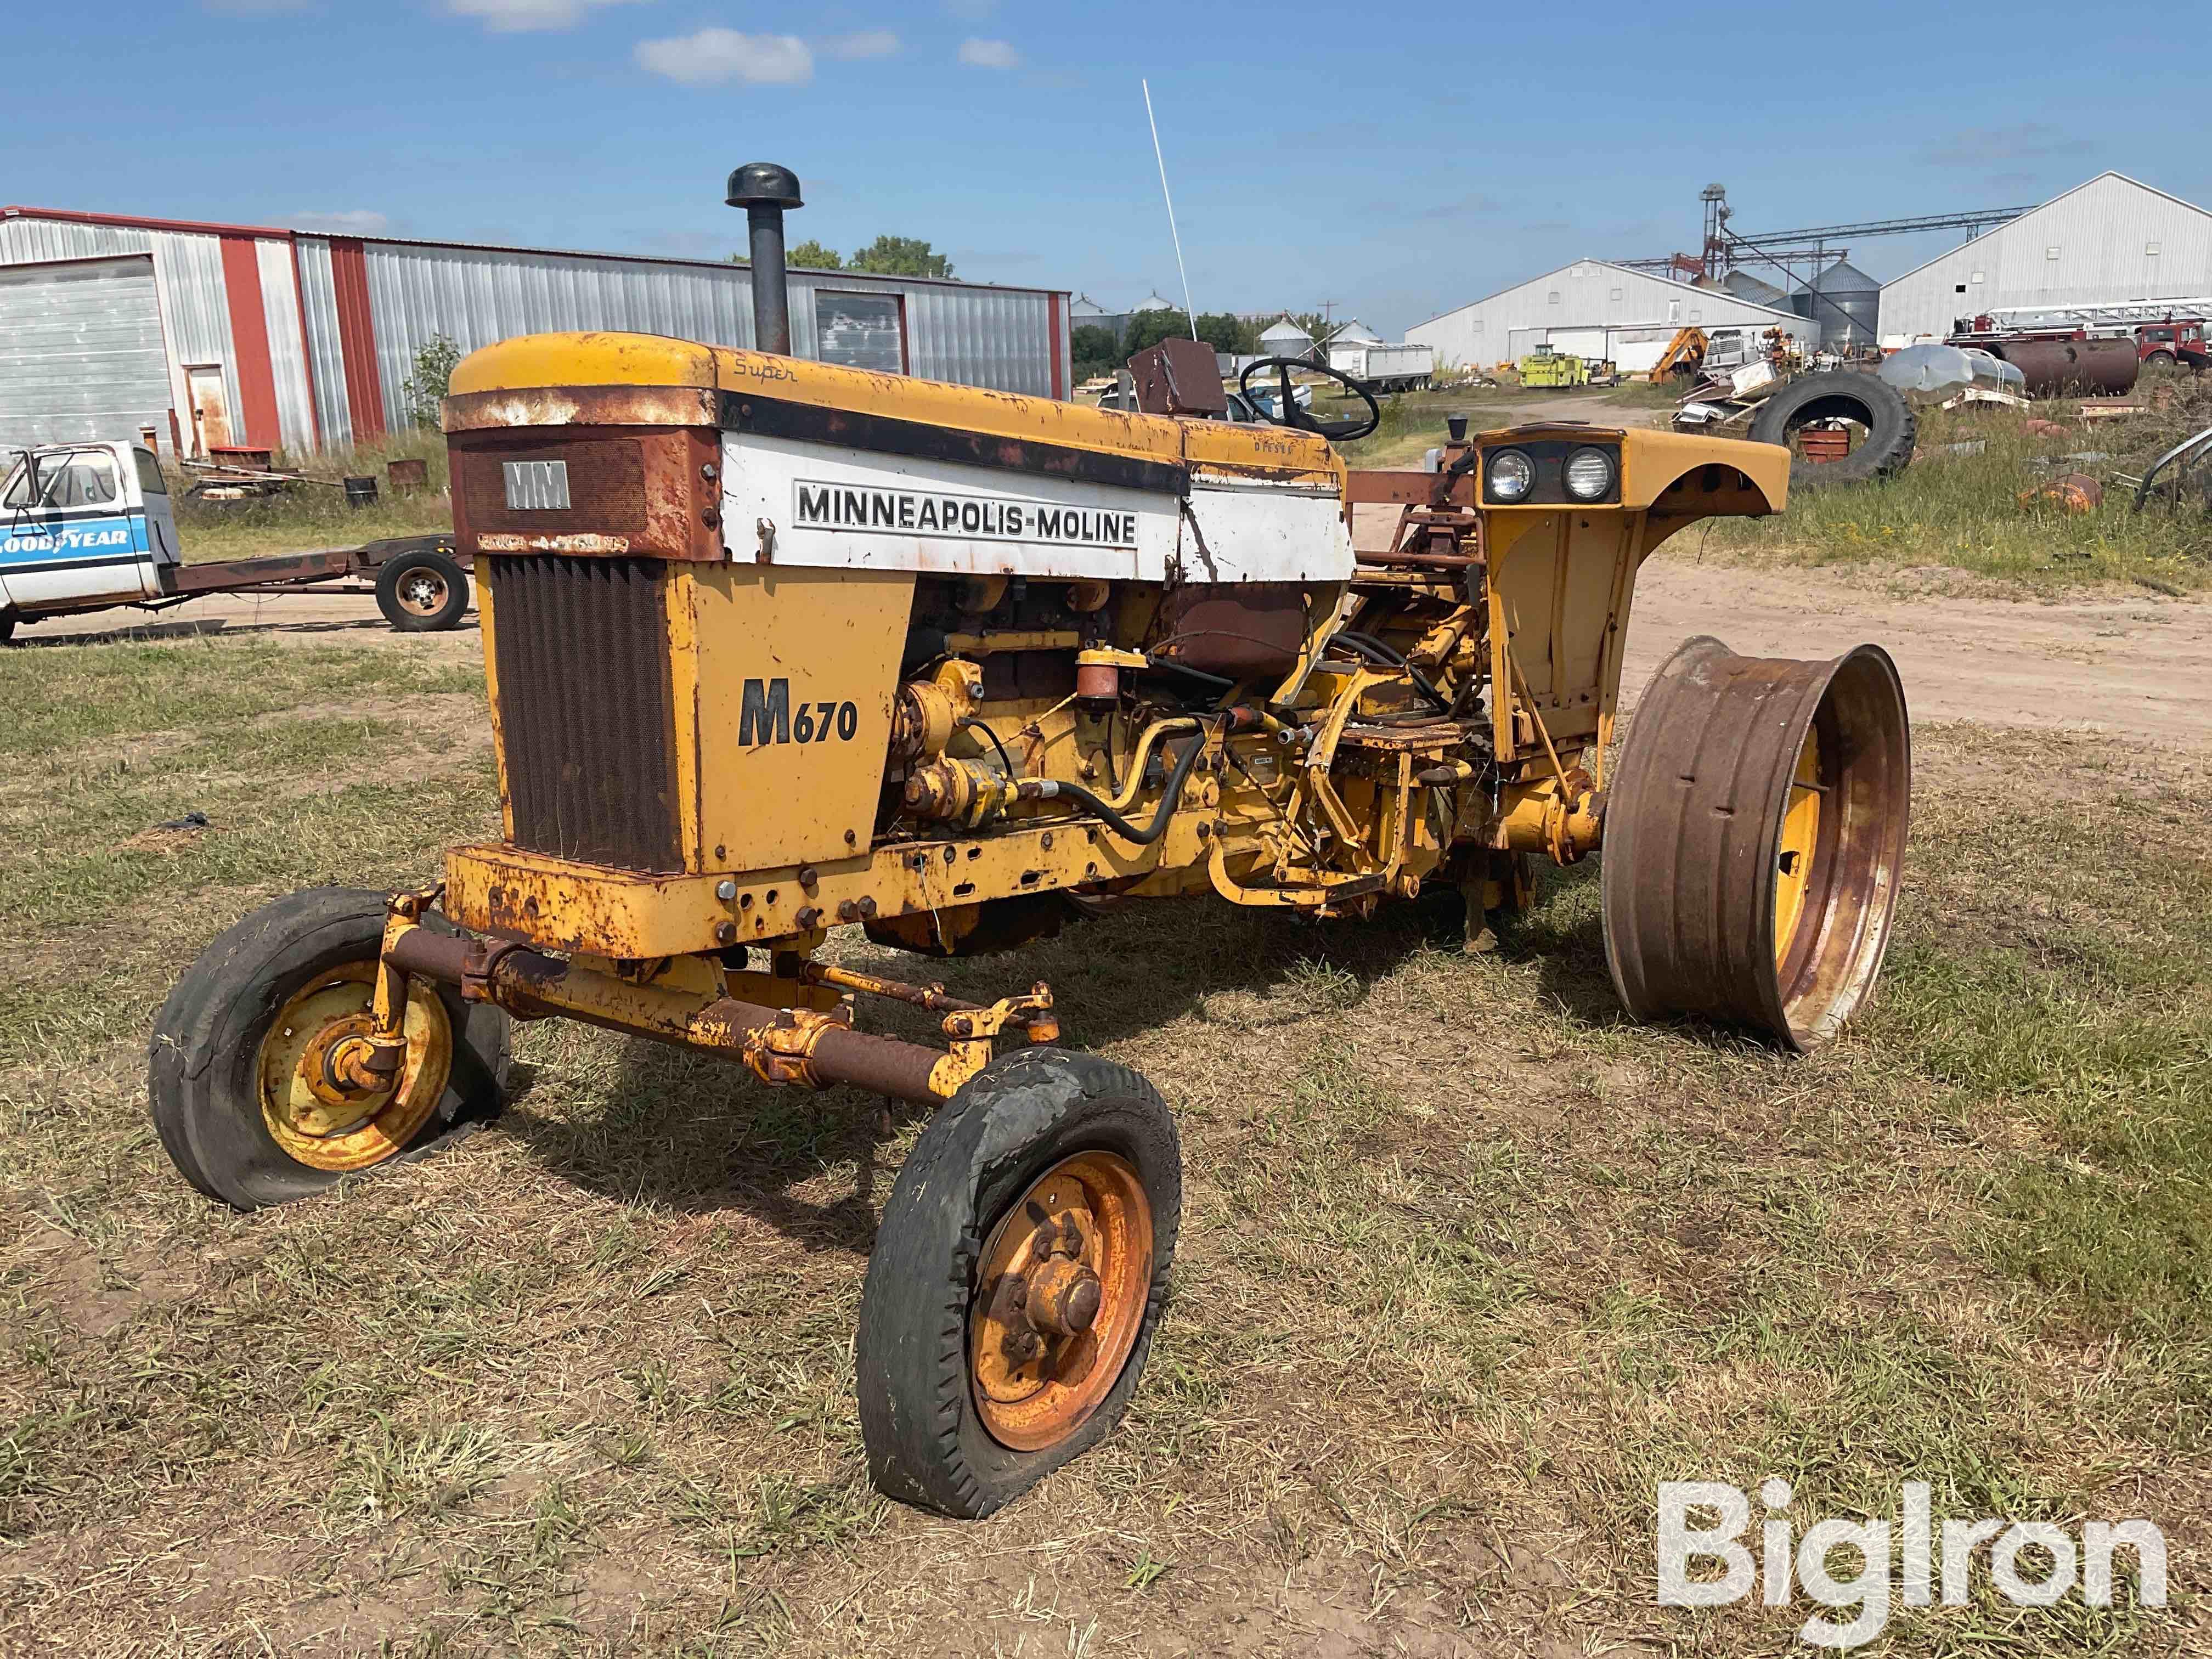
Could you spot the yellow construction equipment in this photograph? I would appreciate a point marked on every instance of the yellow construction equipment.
(775, 647)
(1558, 369)
(1684, 355)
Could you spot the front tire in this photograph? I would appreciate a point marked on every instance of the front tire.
(1016, 1280)
(423, 592)
(228, 1066)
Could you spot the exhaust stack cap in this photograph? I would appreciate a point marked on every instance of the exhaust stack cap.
(764, 190)
(763, 183)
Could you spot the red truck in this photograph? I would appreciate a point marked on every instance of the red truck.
(2177, 342)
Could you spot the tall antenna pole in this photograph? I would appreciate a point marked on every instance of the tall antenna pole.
(1189, 312)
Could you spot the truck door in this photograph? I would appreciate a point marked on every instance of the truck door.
(161, 543)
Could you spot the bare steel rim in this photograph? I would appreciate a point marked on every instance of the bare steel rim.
(317, 1121)
(1061, 1288)
(421, 591)
(1754, 835)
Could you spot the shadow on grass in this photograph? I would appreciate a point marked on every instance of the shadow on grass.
(701, 1136)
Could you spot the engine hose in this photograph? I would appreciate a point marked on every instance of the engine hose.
(1076, 793)
(1374, 651)
(970, 723)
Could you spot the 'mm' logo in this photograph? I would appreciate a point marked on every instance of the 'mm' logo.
(766, 714)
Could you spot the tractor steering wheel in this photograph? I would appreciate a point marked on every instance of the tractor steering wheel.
(1287, 412)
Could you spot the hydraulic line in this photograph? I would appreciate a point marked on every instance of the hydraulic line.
(1375, 651)
(1082, 798)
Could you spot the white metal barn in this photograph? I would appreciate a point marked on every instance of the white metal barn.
(2111, 239)
(1593, 309)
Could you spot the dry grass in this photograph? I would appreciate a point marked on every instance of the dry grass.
(1468, 1262)
(1958, 507)
(309, 516)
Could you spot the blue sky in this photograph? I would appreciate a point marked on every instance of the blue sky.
(1397, 161)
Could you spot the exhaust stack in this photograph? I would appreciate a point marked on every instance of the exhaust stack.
(765, 191)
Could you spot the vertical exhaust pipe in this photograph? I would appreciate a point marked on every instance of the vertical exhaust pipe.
(764, 190)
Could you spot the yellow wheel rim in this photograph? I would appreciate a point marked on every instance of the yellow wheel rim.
(324, 1131)
(1062, 1292)
(1800, 835)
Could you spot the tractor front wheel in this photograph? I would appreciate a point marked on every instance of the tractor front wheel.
(1016, 1280)
(1754, 836)
(242, 1093)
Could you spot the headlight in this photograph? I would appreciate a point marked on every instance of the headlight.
(1590, 474)
(1512, 476)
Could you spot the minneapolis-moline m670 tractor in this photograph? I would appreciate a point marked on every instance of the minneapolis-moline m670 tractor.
(776, 646)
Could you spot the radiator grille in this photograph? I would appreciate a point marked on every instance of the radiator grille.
(587, 721)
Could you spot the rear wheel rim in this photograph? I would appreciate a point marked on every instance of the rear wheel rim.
(340, 1135)
(1797, 845)
(422, 592)
(1061, 1290)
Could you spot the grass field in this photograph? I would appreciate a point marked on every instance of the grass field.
(1468, 1263)
(1957, 506)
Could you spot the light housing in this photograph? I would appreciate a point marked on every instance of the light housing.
(1589, 474)
(1510, 475)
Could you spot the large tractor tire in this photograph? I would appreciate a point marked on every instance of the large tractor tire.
(1016, 1280)
(1844, 394)
(232, 1069)
(1754, 836)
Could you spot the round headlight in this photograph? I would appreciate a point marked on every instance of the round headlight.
(1590, 474)
(1512, 476)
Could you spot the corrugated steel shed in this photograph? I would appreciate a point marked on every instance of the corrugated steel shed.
(1592, 309)
(308, 340)
(2110, 240)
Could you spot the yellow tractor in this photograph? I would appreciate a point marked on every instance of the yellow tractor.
(775, 647)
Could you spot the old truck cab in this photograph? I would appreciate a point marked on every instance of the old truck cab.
(82, 526)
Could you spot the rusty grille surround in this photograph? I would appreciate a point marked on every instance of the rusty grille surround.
(586, 715)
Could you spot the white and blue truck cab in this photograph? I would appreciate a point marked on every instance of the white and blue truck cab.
(84, 527)
(87, 527)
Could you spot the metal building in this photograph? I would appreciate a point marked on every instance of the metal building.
(2108, 241)
(1286, 339)
(1843, 304)
(1591, 309)
(249, 337)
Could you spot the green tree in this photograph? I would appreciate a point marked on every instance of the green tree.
(901, 255)
(1225, 332)
(1217, 328)
(424, 391)
(1148, 328)
(811, 255)
(1095, 350)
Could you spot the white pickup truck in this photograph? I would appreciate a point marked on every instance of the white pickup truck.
(87, 527)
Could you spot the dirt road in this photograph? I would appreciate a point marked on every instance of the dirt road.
(2138, 667)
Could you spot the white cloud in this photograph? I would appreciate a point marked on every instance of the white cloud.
(866, 43)
(513, 16)
(345, 221)
(989, 54)
(713, 56)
